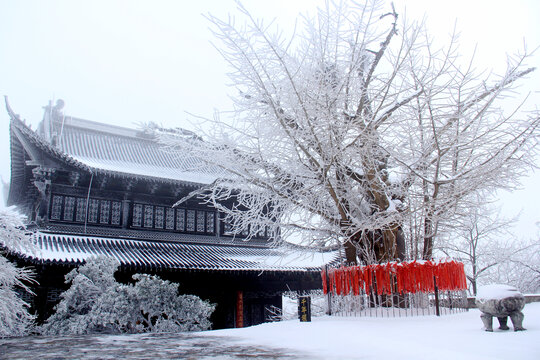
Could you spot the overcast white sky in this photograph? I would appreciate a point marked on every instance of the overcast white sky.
(129, 62)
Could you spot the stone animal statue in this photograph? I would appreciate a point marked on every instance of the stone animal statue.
(501, 301)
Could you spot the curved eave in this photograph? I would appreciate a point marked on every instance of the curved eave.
(161, 267)
(74, 250)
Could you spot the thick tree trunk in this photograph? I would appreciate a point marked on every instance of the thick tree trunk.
(350, 253)
(386, 245)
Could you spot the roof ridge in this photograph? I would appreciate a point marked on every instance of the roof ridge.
(115, 130)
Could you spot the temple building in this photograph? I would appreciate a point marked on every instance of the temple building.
(89, 189)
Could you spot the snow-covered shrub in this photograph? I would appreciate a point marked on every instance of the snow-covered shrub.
(15, 320)
(162, 310)
(95, 302)
(150, 305)
(88, 284)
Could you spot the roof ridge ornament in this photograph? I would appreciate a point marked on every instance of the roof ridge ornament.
(10, 111)
(153, 129)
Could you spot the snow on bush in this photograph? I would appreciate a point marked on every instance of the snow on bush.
(15, 320)
(95, 302)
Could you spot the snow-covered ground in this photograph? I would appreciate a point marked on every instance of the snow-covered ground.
(456, 336)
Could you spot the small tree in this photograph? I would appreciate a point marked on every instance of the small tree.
(95, 302)
(15, 320)
(522, 268)
(482, 242)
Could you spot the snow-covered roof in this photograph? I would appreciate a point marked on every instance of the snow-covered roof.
(121, 150)
(75, 249)
(114, 150)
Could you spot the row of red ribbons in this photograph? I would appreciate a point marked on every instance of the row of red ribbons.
(392, 278)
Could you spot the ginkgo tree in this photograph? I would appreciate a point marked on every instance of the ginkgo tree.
(355, 132)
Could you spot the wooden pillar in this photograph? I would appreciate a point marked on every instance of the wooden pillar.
(239, 309)
(125, 212)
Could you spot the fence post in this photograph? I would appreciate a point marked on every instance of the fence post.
(329, 294)
(437, 312)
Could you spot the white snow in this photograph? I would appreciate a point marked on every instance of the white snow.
(147, 170)
(293, 258)
(456, 336)
(496, 292)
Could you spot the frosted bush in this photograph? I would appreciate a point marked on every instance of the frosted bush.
(95, 302)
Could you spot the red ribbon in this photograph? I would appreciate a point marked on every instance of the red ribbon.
(389, 278)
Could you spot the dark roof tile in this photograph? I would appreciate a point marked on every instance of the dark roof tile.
(70, 249)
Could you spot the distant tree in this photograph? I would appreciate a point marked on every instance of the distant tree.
(95, 302)
(483, 242)
(522, 269)
(15, 320)
(357, 132)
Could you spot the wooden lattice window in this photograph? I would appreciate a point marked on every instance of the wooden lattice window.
(200, 221)
(190, 220)
(69, 208)
(160, 217)
(56, 208)
(227, 228)
(180, 219)
(148, 216)
(137, 215)
(210, 222)
(116, 212)
(169, 219)
(93, 209)
(105, 212)
(80, 213)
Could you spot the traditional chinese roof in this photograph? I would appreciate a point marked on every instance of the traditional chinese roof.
(112, 150)
(75, 249)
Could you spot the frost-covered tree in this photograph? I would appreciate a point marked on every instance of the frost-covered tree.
(356, 132)
(522, 268)
(483, 242)
(15, 320)
(95, 302)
